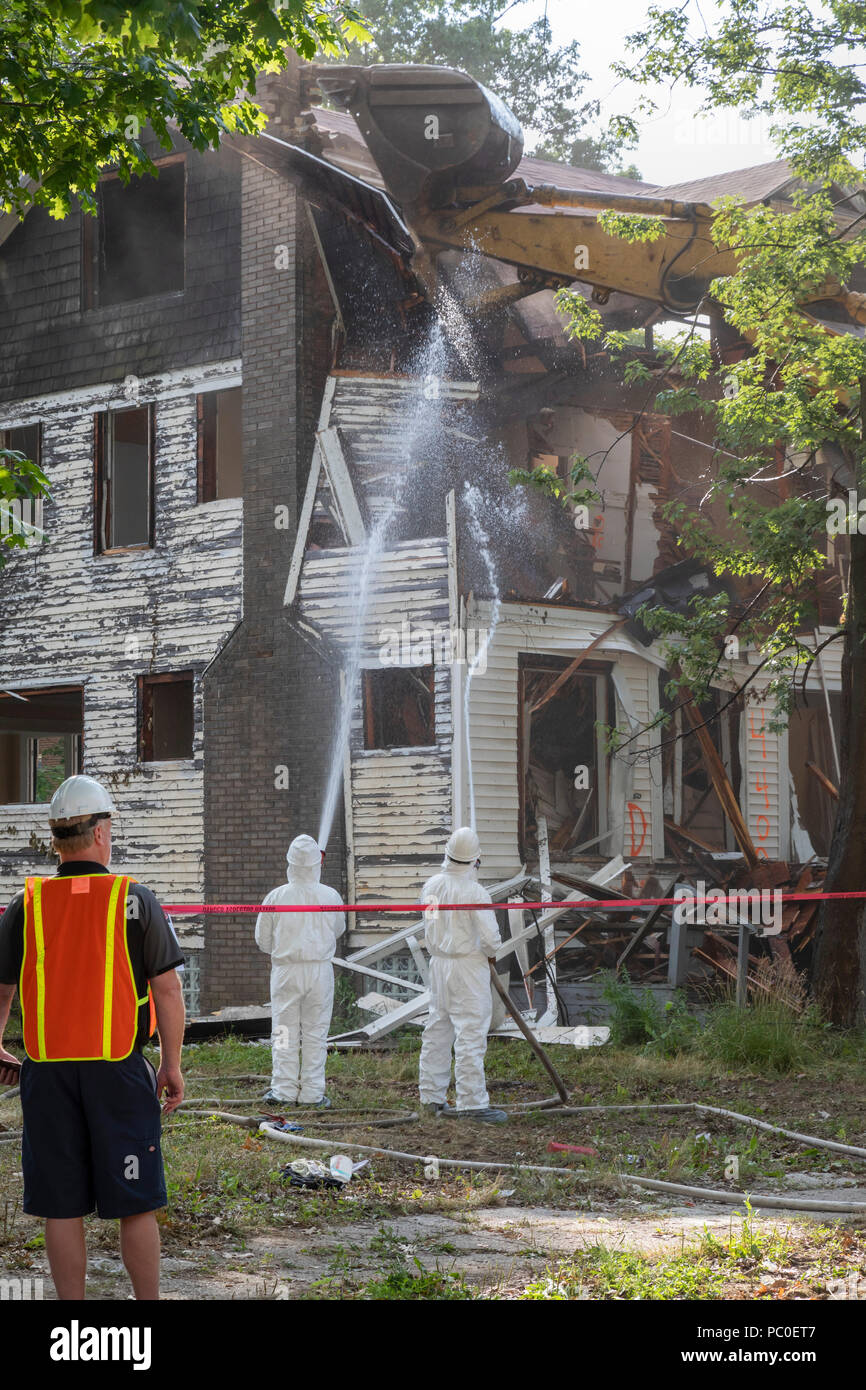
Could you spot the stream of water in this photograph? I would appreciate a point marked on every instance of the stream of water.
(423, 416)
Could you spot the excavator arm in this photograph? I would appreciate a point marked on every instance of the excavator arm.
(445, 148)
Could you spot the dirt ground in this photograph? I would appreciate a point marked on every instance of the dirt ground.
(235, 1229)
(499, 1249)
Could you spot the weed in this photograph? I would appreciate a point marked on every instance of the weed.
(768, 1034)
(346, 1015)
(747, 1243)
(620, 1274)
(639, 1018)
(427, 1285)
(8, 1219)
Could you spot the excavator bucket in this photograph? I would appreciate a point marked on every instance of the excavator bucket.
(432, 131)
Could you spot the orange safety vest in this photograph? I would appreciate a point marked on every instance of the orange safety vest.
(79, 1001)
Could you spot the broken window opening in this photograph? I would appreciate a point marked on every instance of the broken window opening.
(123, 447)
(134, 247)
(689, 798)
(40, 743)
(810, 740)
(26, 440)
(563, 764)
(220, 444)
(325, 532)
(399, 708)
(166, 717)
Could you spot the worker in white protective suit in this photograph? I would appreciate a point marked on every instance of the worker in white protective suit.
(460, 944)
(301, 946)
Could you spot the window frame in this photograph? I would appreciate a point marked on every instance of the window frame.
(600, 672)
(100, 420)
(207, 431)
(144, 736)
(368, 712)
(10, 429)
(90, 242)
(74, 750)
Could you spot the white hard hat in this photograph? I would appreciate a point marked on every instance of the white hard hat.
(304, 852)
(464, 846)
(79, 796)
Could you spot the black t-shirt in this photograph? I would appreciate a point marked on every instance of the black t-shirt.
(153, 946)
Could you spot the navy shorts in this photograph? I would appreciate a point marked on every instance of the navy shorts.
(91, 1138)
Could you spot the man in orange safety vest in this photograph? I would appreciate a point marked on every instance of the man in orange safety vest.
(95, 962)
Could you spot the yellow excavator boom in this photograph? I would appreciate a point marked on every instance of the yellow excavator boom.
(445, 146)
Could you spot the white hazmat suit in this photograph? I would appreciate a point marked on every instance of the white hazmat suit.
(301, 946)
(460, 944)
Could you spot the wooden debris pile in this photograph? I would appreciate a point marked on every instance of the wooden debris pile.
(635, 940)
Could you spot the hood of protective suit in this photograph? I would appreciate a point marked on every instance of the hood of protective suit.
(304, 861)
(304, 873)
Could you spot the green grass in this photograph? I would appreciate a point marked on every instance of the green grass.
(601, 1273)
(766, 1035)
(426, 1285)
(225, 1189)
(701, 1272)
(776, 1033)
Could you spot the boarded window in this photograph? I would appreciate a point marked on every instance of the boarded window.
(26, 440)
(220, 445)
(134, 248)
(166, 717)
(398, 708)
(124, 479)
(563, 777)
(40, 743)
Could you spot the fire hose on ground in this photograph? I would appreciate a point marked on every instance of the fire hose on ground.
(706, 1194)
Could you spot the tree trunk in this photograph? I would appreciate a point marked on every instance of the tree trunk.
(841, 942)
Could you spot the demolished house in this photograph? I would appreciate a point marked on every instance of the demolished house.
(281, 504)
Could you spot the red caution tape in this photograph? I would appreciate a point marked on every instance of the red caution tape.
(578, 904)
(625, 904)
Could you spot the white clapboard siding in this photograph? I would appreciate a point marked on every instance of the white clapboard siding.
(401, 817)
(764, 796)
(406, 584)
(380, 419)
(831, 660)
(69, 617)
(493, 710)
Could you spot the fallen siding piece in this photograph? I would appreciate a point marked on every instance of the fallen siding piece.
(377, 1029)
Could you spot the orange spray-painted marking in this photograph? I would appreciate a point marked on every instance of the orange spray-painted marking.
(636, 847)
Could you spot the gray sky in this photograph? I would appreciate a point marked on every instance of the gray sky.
(675, 146)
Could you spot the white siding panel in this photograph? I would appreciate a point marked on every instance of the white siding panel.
(100, 621)
(762, 775)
